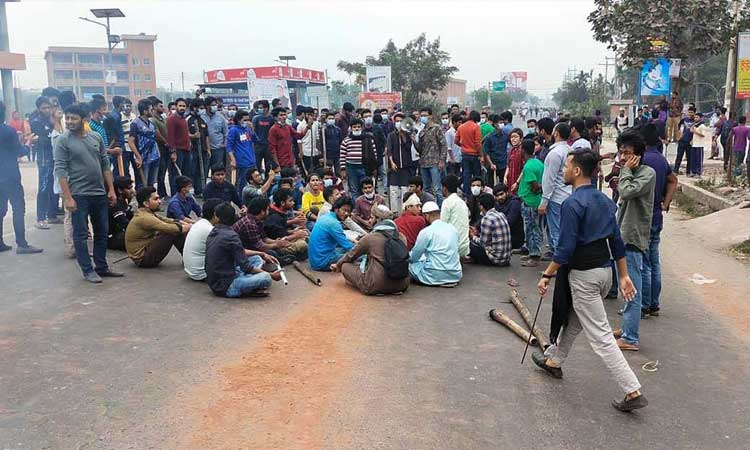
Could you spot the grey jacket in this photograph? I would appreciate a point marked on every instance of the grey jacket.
(636, 209)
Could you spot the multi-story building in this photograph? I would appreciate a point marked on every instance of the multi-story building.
(84, 69)
(453, 92)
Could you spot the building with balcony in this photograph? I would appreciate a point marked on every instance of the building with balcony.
(84, 70)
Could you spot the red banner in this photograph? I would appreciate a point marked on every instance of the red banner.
(379, 100)
(265, 73)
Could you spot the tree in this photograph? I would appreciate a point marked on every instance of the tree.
(342, 92)
(501, 101)
(418, 70)
(356, 69)
(583, 94)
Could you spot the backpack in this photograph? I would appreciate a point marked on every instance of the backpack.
(396, 257)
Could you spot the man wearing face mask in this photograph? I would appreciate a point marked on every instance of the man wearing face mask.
(530, 129)
(354, 152)
(182, 203)
(178, 141)
(198, 131)
(159, 120)
(230, 112)
(217, 131)
(401, 165)
(432, 153)
(332, 141)
(262, 123)
(378, 134)
(240, 148)
(280, 138)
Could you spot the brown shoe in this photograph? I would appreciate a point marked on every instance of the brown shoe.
(626, 346)
(617, 333)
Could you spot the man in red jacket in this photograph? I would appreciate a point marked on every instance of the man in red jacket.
(280, 139)
(178, 140)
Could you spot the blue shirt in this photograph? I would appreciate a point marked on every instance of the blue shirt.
(496, 146)
(327, 234)
(180, 208)
(261, 125)
(217, 130)
(434, 257)
(587, 216)
(144, 133)
(10, 151)
(118, 135)
(653, 158)
(240, 142)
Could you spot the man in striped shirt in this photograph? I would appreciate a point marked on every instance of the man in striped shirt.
(491, 245)
(350, 156)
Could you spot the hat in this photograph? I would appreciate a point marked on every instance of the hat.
(429, 207)
(381, 212)
(413, 200)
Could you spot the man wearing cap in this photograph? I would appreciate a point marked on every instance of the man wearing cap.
(411, 222)
(369, 274)
(434, 259)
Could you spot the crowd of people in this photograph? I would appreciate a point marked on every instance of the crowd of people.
(386, 197)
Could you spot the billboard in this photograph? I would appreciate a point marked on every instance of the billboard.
(375, 100)
(378, 78)
(514, 81)
(266, 89)
(743, 66)
(265, 73)
(317, 96)
(654, 78)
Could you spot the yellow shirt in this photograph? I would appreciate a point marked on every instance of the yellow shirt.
(309, 200)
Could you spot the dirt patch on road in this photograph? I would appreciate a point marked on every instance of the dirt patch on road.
(275, 395)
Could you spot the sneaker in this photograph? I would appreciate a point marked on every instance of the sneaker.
(92, 277)
(645, 314)
(28, 250)
(541, 361)
(4, 247)
(630, 405)
(626, 346)
(653, 312)
(42, 225)
(524, 258)
(110, 273)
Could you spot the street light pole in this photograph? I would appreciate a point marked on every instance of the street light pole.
(111, 40)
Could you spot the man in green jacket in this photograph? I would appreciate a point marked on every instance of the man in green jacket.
(636, 209)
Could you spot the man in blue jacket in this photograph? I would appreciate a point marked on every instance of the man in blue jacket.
(332, 139)
(328, 242)
(240, 147)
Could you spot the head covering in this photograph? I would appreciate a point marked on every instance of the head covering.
(381, 212)
(429, 207)
(413, 200)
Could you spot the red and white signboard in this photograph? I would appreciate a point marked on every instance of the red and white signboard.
(265, 73)
(379, 100)
(514, 81)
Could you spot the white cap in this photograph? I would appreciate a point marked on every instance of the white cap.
(413, 200)
(429, 207)
(381, 212)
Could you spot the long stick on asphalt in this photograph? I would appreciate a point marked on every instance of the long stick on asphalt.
(532, 327)
(515, 298)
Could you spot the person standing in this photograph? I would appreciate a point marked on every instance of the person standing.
(495, 149)
(469, 138)
(198, 142)
(401, 163)
(331, 139)
(240, 148)
(83, 168)
(530, 193)
(741, 134)
(262, 123)
(675, 114)
(702, 137)
(352, 153)
(178, 140)
(590, 237)
(453, 160)
(636, 209)
(159, 120)
(683, 145)
(554, 189)
(11, 189)
(433, 150)
(309, 153)
(666, 186)
(280, 140)
(217, 132)
(142, 141)
(41, 126)
(515, 160)
(345, 118)
(116, 135)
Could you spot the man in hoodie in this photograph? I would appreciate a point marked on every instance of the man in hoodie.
(432, 150)
(369, 276)
(636, 210)
(262, 123)
(240, 148)
(280, 138)
(331, 139)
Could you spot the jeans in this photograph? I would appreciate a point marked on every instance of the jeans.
(150, 171)
(165, 164)
(381, 182)
(46, 200)
(553, 224)
(199, 162)
(471, 167)
(495, 176)
(311, 163)
(334, 162)
(246, 283)
(355, 173)
(453, 169)
(532, 230)
(128, 161)
(185, 162)
(683, 149)
(652, 272)
(631, 315)
(241, 181)
(695, 160)
(95, 207)
(431, 180)
(218, 156)
(737, 164)
(12, 191)
(263, 157)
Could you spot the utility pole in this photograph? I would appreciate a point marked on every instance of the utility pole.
(731, 87)
(182, 76)
(489, 94)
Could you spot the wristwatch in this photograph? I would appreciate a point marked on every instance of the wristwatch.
(544, 275)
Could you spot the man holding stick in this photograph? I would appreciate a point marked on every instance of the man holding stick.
(589, 238)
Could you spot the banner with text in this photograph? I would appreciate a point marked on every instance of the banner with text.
(514, 81)
(265, 89)
(743, 66)
(375, 100)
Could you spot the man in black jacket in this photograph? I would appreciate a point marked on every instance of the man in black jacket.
(120, 214)
(510, 205)
(224, 253)
(276, 226)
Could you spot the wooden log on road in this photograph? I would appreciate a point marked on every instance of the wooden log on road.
(515, 298)
(501, 317)
(306, 272)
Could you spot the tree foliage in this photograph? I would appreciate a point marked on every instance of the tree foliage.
(501, 101)
(583, 94)
(691, 28)
(418, 70)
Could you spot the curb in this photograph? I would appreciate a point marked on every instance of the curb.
(704, 197)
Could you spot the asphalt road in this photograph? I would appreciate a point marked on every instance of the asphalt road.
(154, 361)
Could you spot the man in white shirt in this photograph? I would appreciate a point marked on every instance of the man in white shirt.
(194, 251)
(309, 151)
(455, 212)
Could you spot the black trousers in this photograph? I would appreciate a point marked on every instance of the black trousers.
(12, 191)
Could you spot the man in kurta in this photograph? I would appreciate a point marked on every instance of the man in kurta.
(434, 259)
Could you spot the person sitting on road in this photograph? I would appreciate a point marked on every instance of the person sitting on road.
(490, 245)
(251, 232)
(369, 275)
(509, 204)
(312, 200)
(455, 212)
(411, 222)
(149, 237)
(120, 214)
(434, 260)
(364, 204)
(194, 251)
(352, 230)
(277, 226)
(255, 186)
(416, 186)
(219, 188)
(328, 242)
(477, 188)
(231, 270)
(182, 202)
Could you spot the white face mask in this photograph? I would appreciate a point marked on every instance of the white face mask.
(201, 110)
(370, 196)
(356, 133)
(327, 182)
(214, 108)
(445, 121)
(330, 122)
(398, 125)
(191, 192)
(475, 190)
(231, 113)
(483, 121)
(163, 115)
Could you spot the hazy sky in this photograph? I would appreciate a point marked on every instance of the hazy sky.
(542, 37)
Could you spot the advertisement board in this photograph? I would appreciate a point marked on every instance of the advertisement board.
(264, 73)
(514, 81)
(378, 78)
(266, 89)
(375, 100)
(654, 78)
(743, 66)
